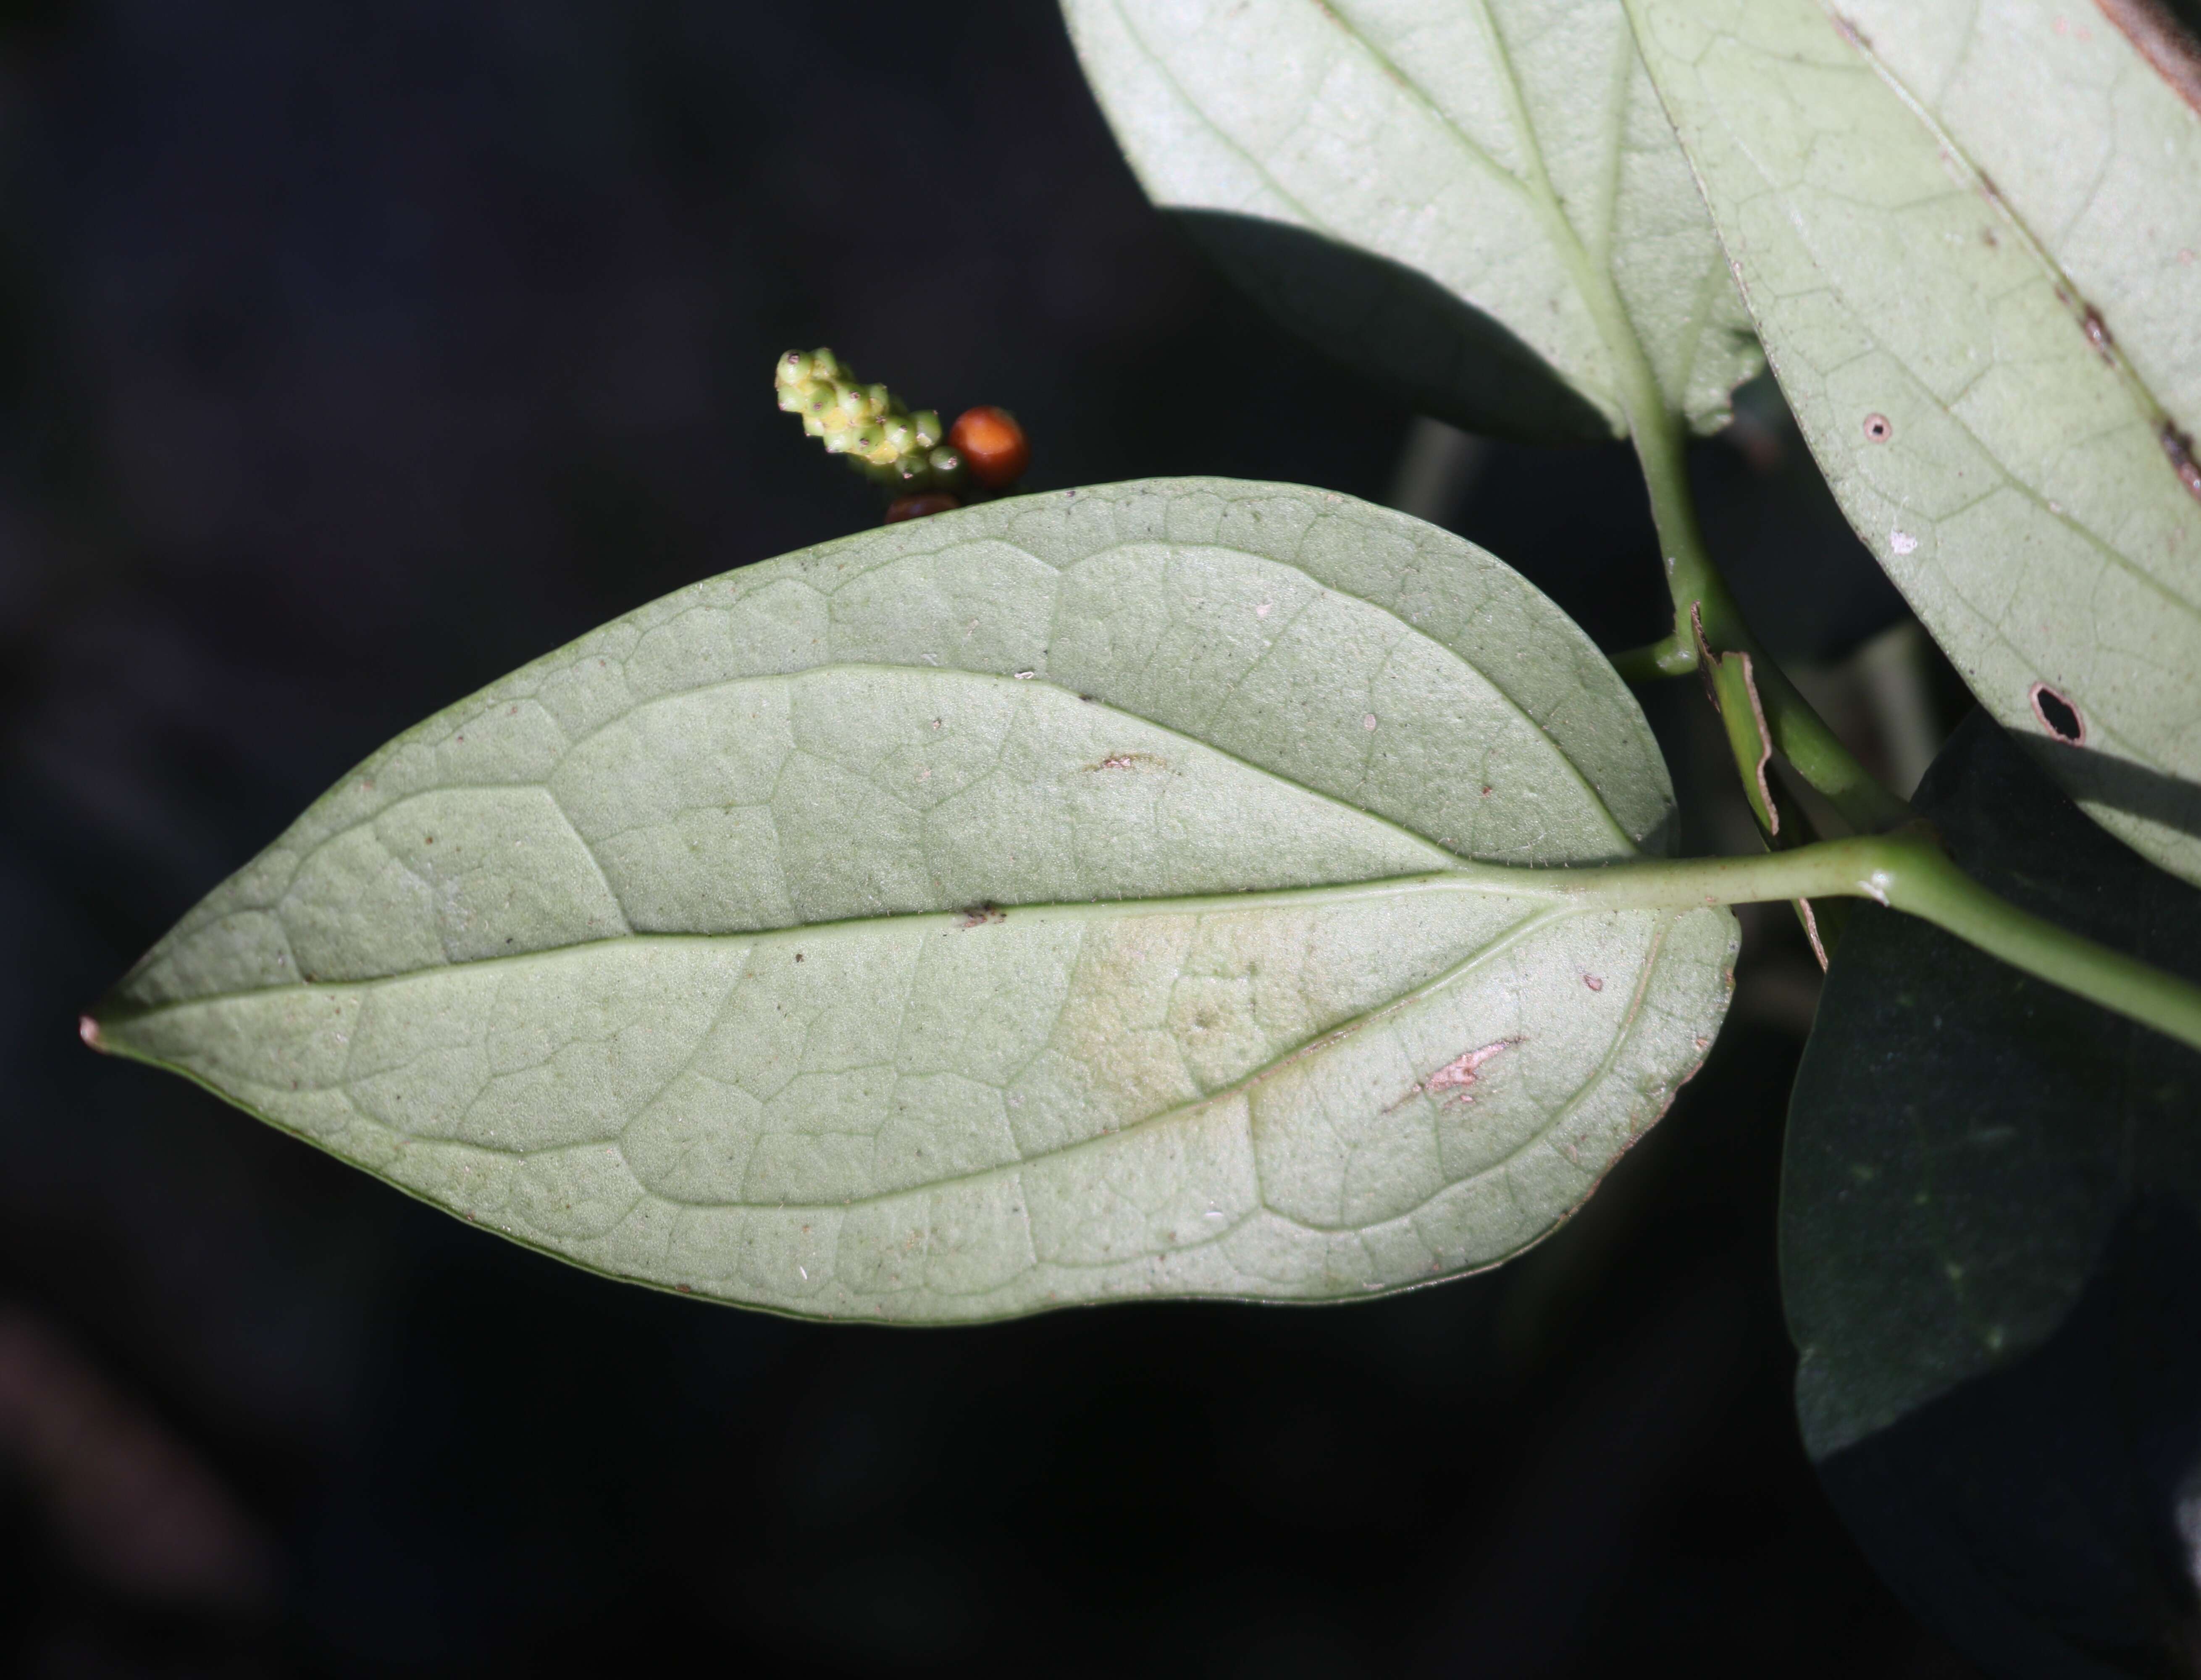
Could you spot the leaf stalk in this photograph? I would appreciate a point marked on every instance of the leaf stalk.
(1672, 656)
(1909, 870)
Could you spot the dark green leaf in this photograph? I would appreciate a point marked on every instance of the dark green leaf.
(1990, 1249)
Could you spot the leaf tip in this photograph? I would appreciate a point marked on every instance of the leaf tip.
(87, 1028)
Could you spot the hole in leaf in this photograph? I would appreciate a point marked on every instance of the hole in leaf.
(1877, 429)
(2057, 715)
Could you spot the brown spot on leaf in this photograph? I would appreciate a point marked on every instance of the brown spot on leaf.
(1594, 982)
(2178, 448)
(1129, 761)
(2098, 335)
(978, 915)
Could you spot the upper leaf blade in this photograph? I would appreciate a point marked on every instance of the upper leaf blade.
(2018, 475)
(1058, 900)
(1479, 202)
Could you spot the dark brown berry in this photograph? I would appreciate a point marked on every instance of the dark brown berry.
(917, 507)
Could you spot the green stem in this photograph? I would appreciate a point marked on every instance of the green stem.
(1700, 593)
(1905, 870)
(1671, 656)
(1700, 597)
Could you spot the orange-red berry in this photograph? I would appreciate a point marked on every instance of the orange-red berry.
(993, 446)
(917, 507)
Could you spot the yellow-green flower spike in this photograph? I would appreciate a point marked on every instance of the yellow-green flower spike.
(866, 423)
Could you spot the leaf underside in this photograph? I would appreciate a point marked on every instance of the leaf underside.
(1951, 347)
(2094, 153)
(1478, 201)
(1041, 904)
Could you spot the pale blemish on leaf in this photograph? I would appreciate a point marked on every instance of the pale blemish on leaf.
(1457, 1078)
(1459, 1074)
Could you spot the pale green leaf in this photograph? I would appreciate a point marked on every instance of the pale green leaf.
(1478, 200)
(1055, 901)
(2093, 150)
(1950, 350)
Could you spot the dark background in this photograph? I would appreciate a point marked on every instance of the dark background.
(352, 353)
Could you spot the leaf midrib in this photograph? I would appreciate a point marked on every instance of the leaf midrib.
(1481, 879)
(1641, 402)
(1562, 759)
(1635, 384)
(1399, 830)
(1506, 940)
